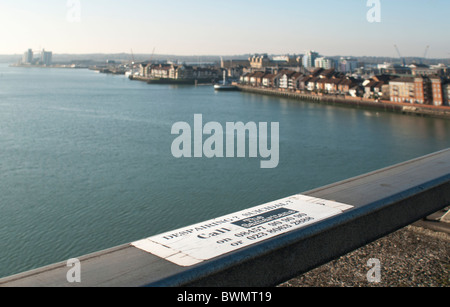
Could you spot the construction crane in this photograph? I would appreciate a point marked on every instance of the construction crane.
(425, 53)
(400, 55)
(132, 57)
(153, 53)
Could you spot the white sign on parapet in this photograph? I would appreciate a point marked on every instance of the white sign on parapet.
(204, 241)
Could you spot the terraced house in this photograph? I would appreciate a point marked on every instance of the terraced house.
(319, 80)
(429, 90)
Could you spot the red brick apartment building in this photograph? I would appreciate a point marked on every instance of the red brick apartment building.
(437, 91)
(421, 90)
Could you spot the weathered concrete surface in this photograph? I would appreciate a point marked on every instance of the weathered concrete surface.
(416, 256)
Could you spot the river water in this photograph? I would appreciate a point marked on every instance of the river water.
(86, 161)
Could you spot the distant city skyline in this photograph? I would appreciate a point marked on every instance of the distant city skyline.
(201, 27)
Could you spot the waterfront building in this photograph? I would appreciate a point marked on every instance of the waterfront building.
(345, 84)
(325, 63)
(327, 73)
(276, 80)
(205, 73)
(285, 78)
(422, 90)
(377, 87)
(256, 78)
(259, 61)
(245, 78)
(331, 85)
(328, 80)
(437, 91)
(294, 81)
(402, 90)
(320, 84)
(425, 70)
(347, 65)
(286, 61)
(46, 58)
(178, 72)
(181, 72)
(268, 80)
(311, 83)
(447, 93)
(234, 63)
(145, 69)
(235, 72)
(415, 88)
(394, 69)
(316, 72)
(309, 59)
(318, 80)
(302, 82)
(441, 70)
(27, 57)
(160, 71)
(43, 58)
(357, 91)
(281, 58)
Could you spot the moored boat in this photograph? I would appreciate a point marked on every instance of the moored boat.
(225, 85)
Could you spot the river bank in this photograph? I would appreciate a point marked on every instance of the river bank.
(71, 66)
(173, 81)
(349, 101)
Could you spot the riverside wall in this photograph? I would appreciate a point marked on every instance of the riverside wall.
(383, 105)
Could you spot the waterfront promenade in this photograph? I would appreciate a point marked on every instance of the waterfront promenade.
(345, 100)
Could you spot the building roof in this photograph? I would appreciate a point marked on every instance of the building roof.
(289, 73)
(346, 81)
(383, 78)
(322, 80)
(372, 83)
(416, 65)
(269, 76)
(297, 75)
(258, 74)
(316, 72)
(306, 79)
(436, 78)
(327, 73)
(403, 80)
(334, 80)
(162, 68)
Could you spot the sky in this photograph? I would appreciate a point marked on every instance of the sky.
(231, 27)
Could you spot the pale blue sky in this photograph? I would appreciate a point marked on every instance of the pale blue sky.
(202, 27)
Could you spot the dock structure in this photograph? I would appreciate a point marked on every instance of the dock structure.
(290, 236)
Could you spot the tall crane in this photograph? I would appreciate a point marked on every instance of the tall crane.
(132, 57)
(400, 55)
(425, 53)
(153, 53)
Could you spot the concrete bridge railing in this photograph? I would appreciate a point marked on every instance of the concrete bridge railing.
(268, 244)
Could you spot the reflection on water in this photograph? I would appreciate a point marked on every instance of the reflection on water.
(86, 163)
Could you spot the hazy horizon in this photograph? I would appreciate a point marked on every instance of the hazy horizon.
(216, 55)
(211, 28)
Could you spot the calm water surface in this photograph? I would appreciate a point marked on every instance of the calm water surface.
(86, 163)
